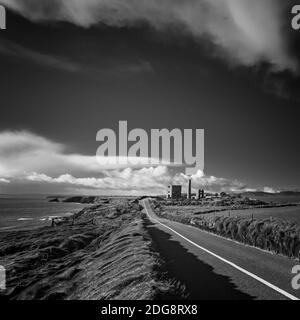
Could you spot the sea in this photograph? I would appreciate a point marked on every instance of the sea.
(28, 212)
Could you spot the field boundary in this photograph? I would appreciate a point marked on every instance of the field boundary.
(252, 275)
(270, 235)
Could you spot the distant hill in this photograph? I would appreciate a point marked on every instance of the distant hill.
(252, 194)
(262, 193)
(289, 193)
(279, 197)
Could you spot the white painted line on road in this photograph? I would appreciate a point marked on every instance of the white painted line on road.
(266, 283)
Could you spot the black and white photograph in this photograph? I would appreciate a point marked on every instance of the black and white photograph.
(149, 150)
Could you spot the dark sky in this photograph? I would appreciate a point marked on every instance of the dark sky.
(65, 82)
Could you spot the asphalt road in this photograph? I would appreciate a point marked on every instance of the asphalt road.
(212, 267)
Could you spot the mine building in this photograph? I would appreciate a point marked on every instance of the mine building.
(174, 192)
(200, 194)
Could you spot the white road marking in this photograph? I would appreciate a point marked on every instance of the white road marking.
(266, 283)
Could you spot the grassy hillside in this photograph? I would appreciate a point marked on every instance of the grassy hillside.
(103, 252)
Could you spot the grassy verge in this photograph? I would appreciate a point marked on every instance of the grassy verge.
(100, 253)
(274, 235)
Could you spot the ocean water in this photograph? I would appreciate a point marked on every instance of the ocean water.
(17, 213)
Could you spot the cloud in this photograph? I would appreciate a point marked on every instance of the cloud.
(110, 69)
(141, 181)
(145, 180)
(17, 51)
(269, 190)
(211, 183)
(242, 31)
(124, 69)
(22, 152)
(134, 68)
(28, 159)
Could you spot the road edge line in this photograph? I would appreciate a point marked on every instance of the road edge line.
(250, 274)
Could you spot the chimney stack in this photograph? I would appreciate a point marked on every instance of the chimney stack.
(189, 193)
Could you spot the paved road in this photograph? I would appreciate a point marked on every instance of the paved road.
(212, 267)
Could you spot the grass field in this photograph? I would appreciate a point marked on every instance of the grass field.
(289, 213)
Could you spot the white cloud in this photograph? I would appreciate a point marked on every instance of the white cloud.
(27, 160)
(269, 190)
(22, 152)
(245, 32)
(211, 183)
(145, 179)
(141, 181)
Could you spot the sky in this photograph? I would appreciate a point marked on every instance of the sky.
(71, 67)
